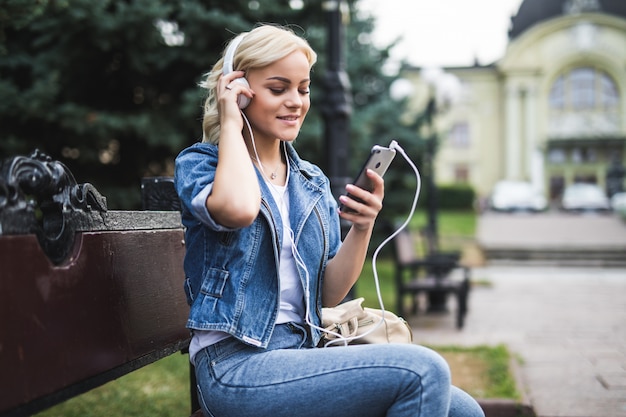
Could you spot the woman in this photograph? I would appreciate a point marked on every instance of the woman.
(264, 254)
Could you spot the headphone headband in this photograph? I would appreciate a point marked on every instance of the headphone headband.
(229, 57)
(230, 54)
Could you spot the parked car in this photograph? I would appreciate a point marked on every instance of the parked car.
(584, 197)
(618, 202)
(512, 196)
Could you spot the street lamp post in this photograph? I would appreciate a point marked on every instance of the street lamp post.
(338, 105)
(337, 108)
(431, 151)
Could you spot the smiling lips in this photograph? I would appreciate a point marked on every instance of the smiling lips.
(290, 120)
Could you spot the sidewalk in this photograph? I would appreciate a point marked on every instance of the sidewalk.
(566, 324)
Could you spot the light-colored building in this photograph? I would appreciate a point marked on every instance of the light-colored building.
(551, 111)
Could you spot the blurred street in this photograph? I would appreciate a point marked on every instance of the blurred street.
(553, 237)
(567, 324)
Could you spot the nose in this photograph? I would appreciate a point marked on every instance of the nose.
(294, 99)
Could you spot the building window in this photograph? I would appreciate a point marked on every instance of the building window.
(459, 136)
(584, 88)
(461, 173)
(584, 102)
(590, 155)
(557, 156)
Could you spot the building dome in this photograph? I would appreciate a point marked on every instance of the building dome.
(532, 12)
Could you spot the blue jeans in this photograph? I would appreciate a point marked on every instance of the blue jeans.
(293, 379)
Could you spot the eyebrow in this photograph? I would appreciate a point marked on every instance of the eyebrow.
(286, 80)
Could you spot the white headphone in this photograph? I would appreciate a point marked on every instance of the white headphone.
(229, 56)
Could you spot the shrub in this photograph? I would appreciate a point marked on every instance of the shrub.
(452, 197)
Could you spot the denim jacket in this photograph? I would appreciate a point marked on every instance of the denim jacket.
(231, 275)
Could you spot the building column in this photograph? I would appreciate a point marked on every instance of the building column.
(512, 152)
(534, 158)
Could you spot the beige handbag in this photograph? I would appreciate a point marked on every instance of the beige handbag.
(351, 323)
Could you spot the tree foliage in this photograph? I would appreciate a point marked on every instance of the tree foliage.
(110, 87)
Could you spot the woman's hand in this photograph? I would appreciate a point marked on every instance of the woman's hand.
(363, 214)
(227, 92)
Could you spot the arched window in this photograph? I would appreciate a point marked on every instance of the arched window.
(584, 88)
(583, 101)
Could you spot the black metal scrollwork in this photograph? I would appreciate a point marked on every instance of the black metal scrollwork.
(39, 195)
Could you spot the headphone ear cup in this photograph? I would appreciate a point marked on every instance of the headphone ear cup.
(242, 100)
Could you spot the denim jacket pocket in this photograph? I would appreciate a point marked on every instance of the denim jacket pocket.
(214, 282)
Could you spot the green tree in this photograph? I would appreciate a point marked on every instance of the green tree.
(110, 87)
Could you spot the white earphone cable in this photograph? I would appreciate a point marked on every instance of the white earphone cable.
(346, 340)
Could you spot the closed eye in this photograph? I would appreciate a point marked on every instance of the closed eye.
(279, 91)
(285, 83)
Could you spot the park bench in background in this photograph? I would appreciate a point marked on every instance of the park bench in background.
(437, 275)
(87, 295)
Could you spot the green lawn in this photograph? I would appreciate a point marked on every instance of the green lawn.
(450, 223)
(366, 287)
(482, 371)
(455, 228)
(157, 390)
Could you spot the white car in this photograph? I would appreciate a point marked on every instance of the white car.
(618, 202)
(512, 196)
(584, 197)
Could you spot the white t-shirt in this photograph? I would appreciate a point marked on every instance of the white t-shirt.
(291, 291)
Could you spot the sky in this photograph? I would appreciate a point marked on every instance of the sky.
(443, 33)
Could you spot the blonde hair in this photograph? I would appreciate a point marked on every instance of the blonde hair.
(259, 48)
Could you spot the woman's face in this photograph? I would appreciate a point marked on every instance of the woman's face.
(281, 98)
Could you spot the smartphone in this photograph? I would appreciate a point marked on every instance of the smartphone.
(379, 159)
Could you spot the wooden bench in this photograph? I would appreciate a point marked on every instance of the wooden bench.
(435, 275)
(87, 295)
